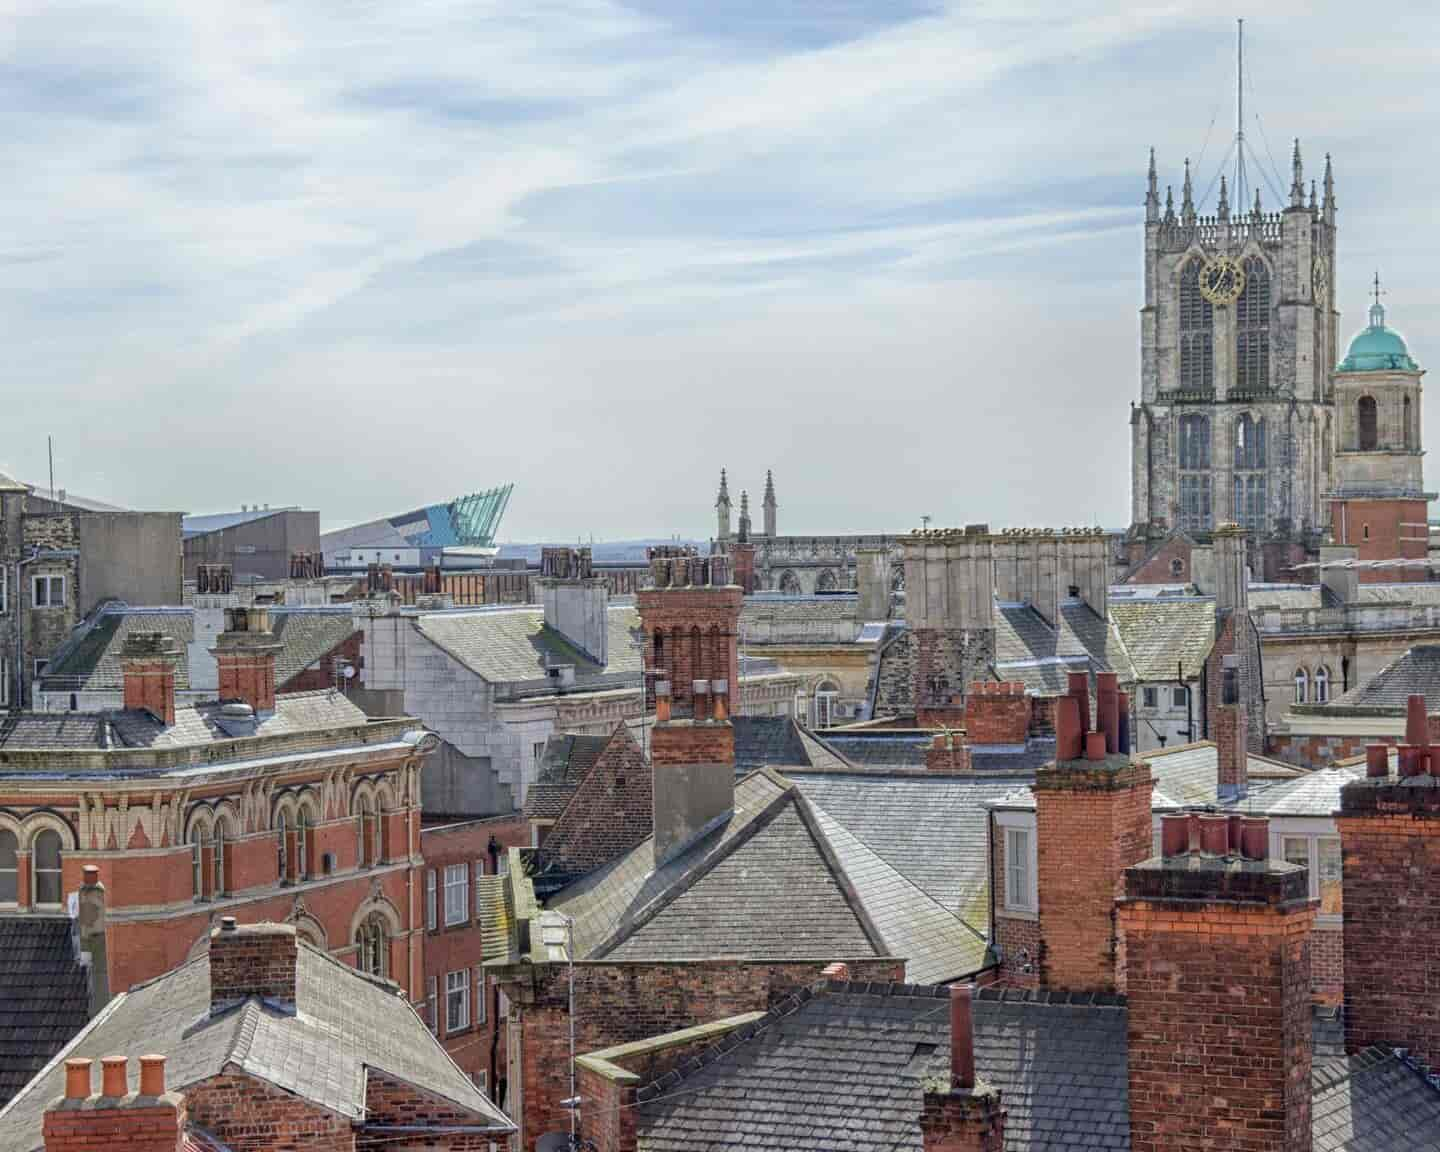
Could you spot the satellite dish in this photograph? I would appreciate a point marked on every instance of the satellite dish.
(553, 1142)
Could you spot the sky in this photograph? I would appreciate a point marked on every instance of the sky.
(365, 256)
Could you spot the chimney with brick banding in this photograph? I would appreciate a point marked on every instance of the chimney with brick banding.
(149, 1119)
(962, 1113)
(148, 660)
(245, 653)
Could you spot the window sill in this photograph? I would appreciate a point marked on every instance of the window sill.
(1017, 913)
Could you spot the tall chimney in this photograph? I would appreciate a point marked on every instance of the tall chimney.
(1230, 732)
(90, 928)
(872, 581)
(147, 1120)
(950, 607)
(148, 662)
(245, 654)
(1232, 585)
(252, 960)
(1092, 821)
(1217, 961)
(577, 603)
(1390, 851)
(962, 1113)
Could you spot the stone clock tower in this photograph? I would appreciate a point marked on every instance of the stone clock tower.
(1237, 340)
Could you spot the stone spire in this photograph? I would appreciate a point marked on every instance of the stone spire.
(1187, 198)
(1297, 182)
(1223, 211)
(1257, 203)
(1152, 193)
(1169, 204)
(768, 503)
(1312, 197)
(744, 517)
(1329, 191)
(722, 508)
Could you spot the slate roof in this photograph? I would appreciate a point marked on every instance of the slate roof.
(774, 619)
(844, 1066)
(767, 741)
(44, 996)
(194, 724)
(1156, 634)
(90, 659)
(567, 760)
(343, 1024)
(509, 645)
(780, 879)
(1417, 670)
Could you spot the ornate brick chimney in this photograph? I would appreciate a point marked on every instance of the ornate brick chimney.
(147, 1120)
(1390, 841)
(1092, 821)
(1217, 955)
(245, 653)
(148, 660)
(252, 960)
(963, 1114)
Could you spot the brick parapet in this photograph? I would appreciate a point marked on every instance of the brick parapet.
(693, 742)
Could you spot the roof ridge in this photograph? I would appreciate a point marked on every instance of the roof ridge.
(847, 887)
(1049, 997)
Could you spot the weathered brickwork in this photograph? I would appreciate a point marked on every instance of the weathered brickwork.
(690, 634)
(997, 713)
(1327, 964)
(1167, 564)
(321, 674)
(618, 1003)
(946, 660)
(1092, 821)
(255, 961)
(1017, 935)
(244, 1112)
(1390, 844)
(611, 811)
(392, 1104)
(692, 742)
(1219, 1015)
(962, 1120)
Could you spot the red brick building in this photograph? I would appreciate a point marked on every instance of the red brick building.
(291, 808)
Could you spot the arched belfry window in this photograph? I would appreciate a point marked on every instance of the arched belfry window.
(1407, 426)
(1368, 421)
(1197, 333)
(1194, 458)
(1249, 485)
(1252, 329)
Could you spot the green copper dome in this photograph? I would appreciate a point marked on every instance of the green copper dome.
(1378, 348)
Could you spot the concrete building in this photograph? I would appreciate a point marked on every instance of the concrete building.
(256, 543)
(60, 559)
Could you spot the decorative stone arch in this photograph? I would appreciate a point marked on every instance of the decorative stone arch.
(283, 804)
(9, 822)
(200, 816)
(789, 583)
(307, 800)
(307, 927)
(376, 904)
(41, 819)
(227, 814)
(385, 795)
(363, 789)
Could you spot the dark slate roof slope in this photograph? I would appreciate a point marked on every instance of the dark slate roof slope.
(568, 758)
(767, 742)
(90, 658)
(306, 635)
(1373, 1102)
(1418, 670)
(44, 996)
(344, 1023)
(511, 645)
(1159, 633)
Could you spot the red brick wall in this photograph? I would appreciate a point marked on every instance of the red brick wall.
(393, 1102)
(613, 809)
(692, 742)
(321, 674)
(1320, 751)
(245, 1112)
(1390, 844)
(1019, 938)
(1396, 529)
(617, 1003)
(697, 629)
(948, 752)
(253, 961)
(151, 684)
(1159, 568)
(156, 1126)
(997, 713)
(248, 676)
(1327, 963)
(1092, 822)
(609, 1116)
(1219, 1025)
(963, 1121)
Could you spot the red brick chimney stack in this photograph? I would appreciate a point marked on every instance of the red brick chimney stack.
(1217, 961)
(965, 1115)
(1390, 849)
(1092, 818)
(245, 652)
(148, 1120)
(1231, 730)
(997, 713)
(252, 960)
(148, 660)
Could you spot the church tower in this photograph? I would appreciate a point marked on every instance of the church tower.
(1377, 505)
(767, 505)
(1237, 336)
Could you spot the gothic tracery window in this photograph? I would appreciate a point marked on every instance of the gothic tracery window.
(1197, 333)
(1249, 474)
(1252, 329)
(373, 946)
(1194, 473)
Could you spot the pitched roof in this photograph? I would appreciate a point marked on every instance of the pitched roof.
(768, 742)
(344, 1024)
(219, 521)
(509, 645)
(567, 759)
(845, 1065)
(1416, 670)
(306, 635)
(89, 660)
(1157, 634)
(44, 996)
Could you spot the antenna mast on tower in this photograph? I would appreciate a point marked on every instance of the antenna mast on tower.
(1240, 191)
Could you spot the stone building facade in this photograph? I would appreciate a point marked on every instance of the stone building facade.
(1238, 337)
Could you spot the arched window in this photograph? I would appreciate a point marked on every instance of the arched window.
(1368, 424)
(1322, 684)
(282, 836)
(46, 862)
(1252, 329)
(373, 955)
(218, 875)
(826, 581)
(1302, 685)
(1197, 333)
(789, 583)
(197, 860)
(302, 844)
(364, 832)
(9, 867)
(1194, 457)
(827, 694)
(1407, 428)
(1249, 486)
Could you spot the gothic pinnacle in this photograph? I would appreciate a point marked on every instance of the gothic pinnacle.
(1152, 191)
(1312, 195)
(1257, 202)
(1329, 187)
(1169, 204)
(1187, 199)
(1224, 208)
(724, 497)
(1297, 182)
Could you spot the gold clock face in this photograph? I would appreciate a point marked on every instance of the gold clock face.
(1320, 280)
(1221, 280)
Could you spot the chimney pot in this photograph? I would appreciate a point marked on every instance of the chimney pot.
(227, 924)
(152, 1075)
(962, 1037)
(1416, 727)
(1067, 728)
(1175, 834)
(1214, 834)
(1095, 746)
(114, 1081)
(90, 875)
(1079, 689)
(77, 1078)
(1255, 837)
(1377, 760)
